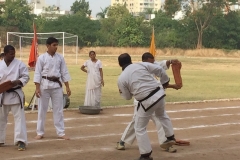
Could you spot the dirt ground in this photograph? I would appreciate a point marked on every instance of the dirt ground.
(213, 129)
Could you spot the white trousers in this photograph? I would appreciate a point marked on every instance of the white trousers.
(129, 135)
(56, 96)
(20, 132)
(141, 122)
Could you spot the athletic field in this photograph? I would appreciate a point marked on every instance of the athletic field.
(211, 127)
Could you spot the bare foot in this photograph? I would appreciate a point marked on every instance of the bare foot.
(38, 137)
(64, 137)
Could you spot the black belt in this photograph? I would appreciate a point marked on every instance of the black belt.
(13, 90)
(150, 95)
(54, 79)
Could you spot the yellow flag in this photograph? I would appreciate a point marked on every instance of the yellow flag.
(152, 48)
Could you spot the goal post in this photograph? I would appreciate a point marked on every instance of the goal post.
(68, 44)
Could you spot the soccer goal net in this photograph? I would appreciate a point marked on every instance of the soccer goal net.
(68, 44)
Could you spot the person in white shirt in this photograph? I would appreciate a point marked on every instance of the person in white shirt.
(50, 72)
(129, 133)
(12, 100)
(94, 80)
(137, 81)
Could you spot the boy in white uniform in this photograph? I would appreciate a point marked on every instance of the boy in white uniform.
(50, 70)
(12, 100)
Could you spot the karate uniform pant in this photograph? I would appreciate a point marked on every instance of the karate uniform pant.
(129, 135)
(20, 132)
(141, 121)
(57, 106)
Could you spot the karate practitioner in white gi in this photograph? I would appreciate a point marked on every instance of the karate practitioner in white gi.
(129, 133)
(136, 80)
(50, 72)
(12, 100)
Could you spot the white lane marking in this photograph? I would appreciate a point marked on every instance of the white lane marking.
(88, 125)
(202, 109)
(197, 117)
(123, 115)
(206, 126)
(106, 149)
(71, 119)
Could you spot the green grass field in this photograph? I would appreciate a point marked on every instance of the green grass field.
(203, 79)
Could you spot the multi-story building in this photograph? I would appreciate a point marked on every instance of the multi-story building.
(51, 12)
(139, 6)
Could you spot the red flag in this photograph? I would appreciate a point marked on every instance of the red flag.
(33, 53)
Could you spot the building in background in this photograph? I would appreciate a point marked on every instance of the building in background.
(136, 7)
(42, 9)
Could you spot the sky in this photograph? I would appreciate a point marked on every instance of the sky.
(93, 4)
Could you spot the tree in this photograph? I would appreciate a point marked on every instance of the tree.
(81, 7)
(103, 13)
(82, 26)
(117, 11)
(171, 7)
(128, 32)
(16, 15)
(204, 14)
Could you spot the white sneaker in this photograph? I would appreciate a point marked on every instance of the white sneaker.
(167, 144)
(170, 150)
(120, 146)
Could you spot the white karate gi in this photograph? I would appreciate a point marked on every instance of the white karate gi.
(137, 80)
(50, 66)
(17, 70)
(93, 85)
(129, 133)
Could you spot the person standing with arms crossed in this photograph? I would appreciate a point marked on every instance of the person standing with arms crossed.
(136, 81)
(12, 100)
(50, 70)
(94, 80)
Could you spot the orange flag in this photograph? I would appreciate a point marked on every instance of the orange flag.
(152, 48)
(33, 53)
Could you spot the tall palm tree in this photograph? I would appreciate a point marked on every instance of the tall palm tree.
(103, 13)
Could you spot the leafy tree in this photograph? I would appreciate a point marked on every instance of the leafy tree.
(117, 11)
(81, 7)
(82, 26)
(103, 13)
(223, 32)
(106, 36)
(204, 13)
(128, 32)
(16, 15)
(171, 7)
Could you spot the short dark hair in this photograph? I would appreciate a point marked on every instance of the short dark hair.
(51, 40)
(91, 52)
(2, 55)
(147, 55)
(124, 59)
(8, 48)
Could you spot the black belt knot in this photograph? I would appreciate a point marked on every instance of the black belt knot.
(150, 95)
(54, 79)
